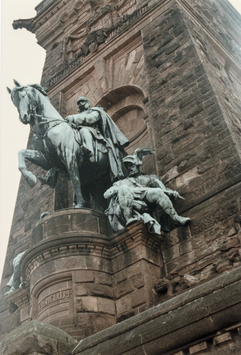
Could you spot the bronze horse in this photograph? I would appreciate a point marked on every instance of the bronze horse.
(56, 147)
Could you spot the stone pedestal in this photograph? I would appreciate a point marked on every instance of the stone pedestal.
(82, 278)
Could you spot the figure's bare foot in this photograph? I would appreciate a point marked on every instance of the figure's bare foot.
(181, 220)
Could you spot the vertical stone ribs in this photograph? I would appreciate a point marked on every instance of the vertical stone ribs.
(194, 132)
(193, 140)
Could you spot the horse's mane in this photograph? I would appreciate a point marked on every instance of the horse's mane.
(39, 88)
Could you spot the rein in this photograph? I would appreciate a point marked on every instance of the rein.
(57, 120)
(53, 119)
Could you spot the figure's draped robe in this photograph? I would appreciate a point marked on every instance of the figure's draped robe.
(107, 138)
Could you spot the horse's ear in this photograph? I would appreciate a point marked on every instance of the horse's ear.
(16, 82)
(9, 90)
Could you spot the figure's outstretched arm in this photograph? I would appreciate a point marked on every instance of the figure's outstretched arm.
(75, 119)
(112, 191)
(168, 191)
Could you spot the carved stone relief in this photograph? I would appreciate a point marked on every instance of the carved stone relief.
(105, 17)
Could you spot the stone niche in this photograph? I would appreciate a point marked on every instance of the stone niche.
(83, 278)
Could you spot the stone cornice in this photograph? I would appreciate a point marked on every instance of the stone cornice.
(44, 5)
(19, 297)
(82, 245)
(78, 238)
(151, 11)
(25, 23)
(194, 313)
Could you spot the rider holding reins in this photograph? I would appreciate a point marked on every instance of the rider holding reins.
(97, 132)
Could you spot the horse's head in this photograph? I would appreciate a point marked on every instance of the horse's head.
(24, 98)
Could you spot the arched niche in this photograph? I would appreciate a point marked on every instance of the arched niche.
(125, 106)
(131, 120)
(63, 18)
(77, 5)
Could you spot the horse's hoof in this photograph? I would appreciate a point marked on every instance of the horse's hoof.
(30, 179)
(79, 205)
(47, 181)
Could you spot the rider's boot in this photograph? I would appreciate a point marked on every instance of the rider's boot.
(91, 158)
(87, 143)
(88, 153)
(43, 180)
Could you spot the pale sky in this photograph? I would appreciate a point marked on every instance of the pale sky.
(21, 59)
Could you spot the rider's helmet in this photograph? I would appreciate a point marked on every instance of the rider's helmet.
(133, 159)
(82, 98)
(136, 158)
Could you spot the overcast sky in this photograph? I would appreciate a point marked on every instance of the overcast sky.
(22, 59)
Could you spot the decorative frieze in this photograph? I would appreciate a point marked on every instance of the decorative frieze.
(92, 42)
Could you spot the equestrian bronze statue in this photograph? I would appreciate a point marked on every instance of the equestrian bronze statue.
(87, 147)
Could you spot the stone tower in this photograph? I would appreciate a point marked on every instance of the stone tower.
(169, 74)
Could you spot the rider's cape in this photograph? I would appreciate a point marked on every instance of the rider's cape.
(116, 141)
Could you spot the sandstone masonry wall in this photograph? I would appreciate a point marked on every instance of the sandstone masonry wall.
(169, 75)
(196, 149)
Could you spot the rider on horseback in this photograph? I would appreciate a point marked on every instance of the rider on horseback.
(96, 133)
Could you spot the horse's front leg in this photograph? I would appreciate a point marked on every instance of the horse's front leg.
(33, 156)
